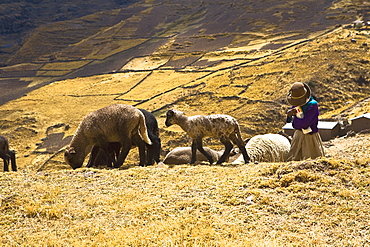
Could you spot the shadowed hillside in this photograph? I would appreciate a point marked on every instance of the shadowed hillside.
(21, 18)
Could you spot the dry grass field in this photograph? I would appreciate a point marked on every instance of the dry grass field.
(246, 74)
(320, 202)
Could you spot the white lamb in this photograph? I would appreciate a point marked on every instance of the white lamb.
(197, 127)
(266, 148)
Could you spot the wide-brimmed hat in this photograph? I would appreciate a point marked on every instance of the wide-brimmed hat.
(299, 94)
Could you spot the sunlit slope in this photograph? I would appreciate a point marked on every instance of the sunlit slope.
(252, 91)
(112, 37)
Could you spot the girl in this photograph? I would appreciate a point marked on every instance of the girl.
(304, 115)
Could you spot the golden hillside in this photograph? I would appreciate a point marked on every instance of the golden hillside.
(251, 90)
(322, 202)
(39, 46)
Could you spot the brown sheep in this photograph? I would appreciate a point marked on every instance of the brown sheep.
(152, 152)
(114, 123)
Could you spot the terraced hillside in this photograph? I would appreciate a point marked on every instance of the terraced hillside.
(252, 90)
(230, 57)
(81, 41)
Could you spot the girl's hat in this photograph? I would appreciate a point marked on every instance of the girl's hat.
(299, 94)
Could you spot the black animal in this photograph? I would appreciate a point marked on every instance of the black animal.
(7, 155)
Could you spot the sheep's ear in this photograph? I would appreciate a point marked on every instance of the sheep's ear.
(71, 150)
(246, 140)
(170, 113)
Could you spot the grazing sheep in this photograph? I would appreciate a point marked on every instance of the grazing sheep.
(151, 152)
(223, 126)
(267, 148)
(7, 155)
(114, 123)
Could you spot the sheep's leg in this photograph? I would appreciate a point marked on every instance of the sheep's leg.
(113, 150)
(193, 152)
(108, 156)
(126, 146)
(201, 149)
(6, 163)
(153, 151)
(93, 155)
(156, 149)
(228, 147)
(138, 141)
(245, 154)
(116, 151)
(150, 154)
(150, 150)
(241, 147)
(142, 155)
(12, 159)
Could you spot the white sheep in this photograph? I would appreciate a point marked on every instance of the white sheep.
(7, 155)
(182, 155)
(267, 148)
(114, 123)
(223, 126)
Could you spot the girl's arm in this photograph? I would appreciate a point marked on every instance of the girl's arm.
(310, 116)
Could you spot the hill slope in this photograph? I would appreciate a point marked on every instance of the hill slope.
(253, 91)
(109, 40)
(322, 202)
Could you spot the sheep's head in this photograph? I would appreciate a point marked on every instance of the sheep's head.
(73, 158)
(171, 117)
